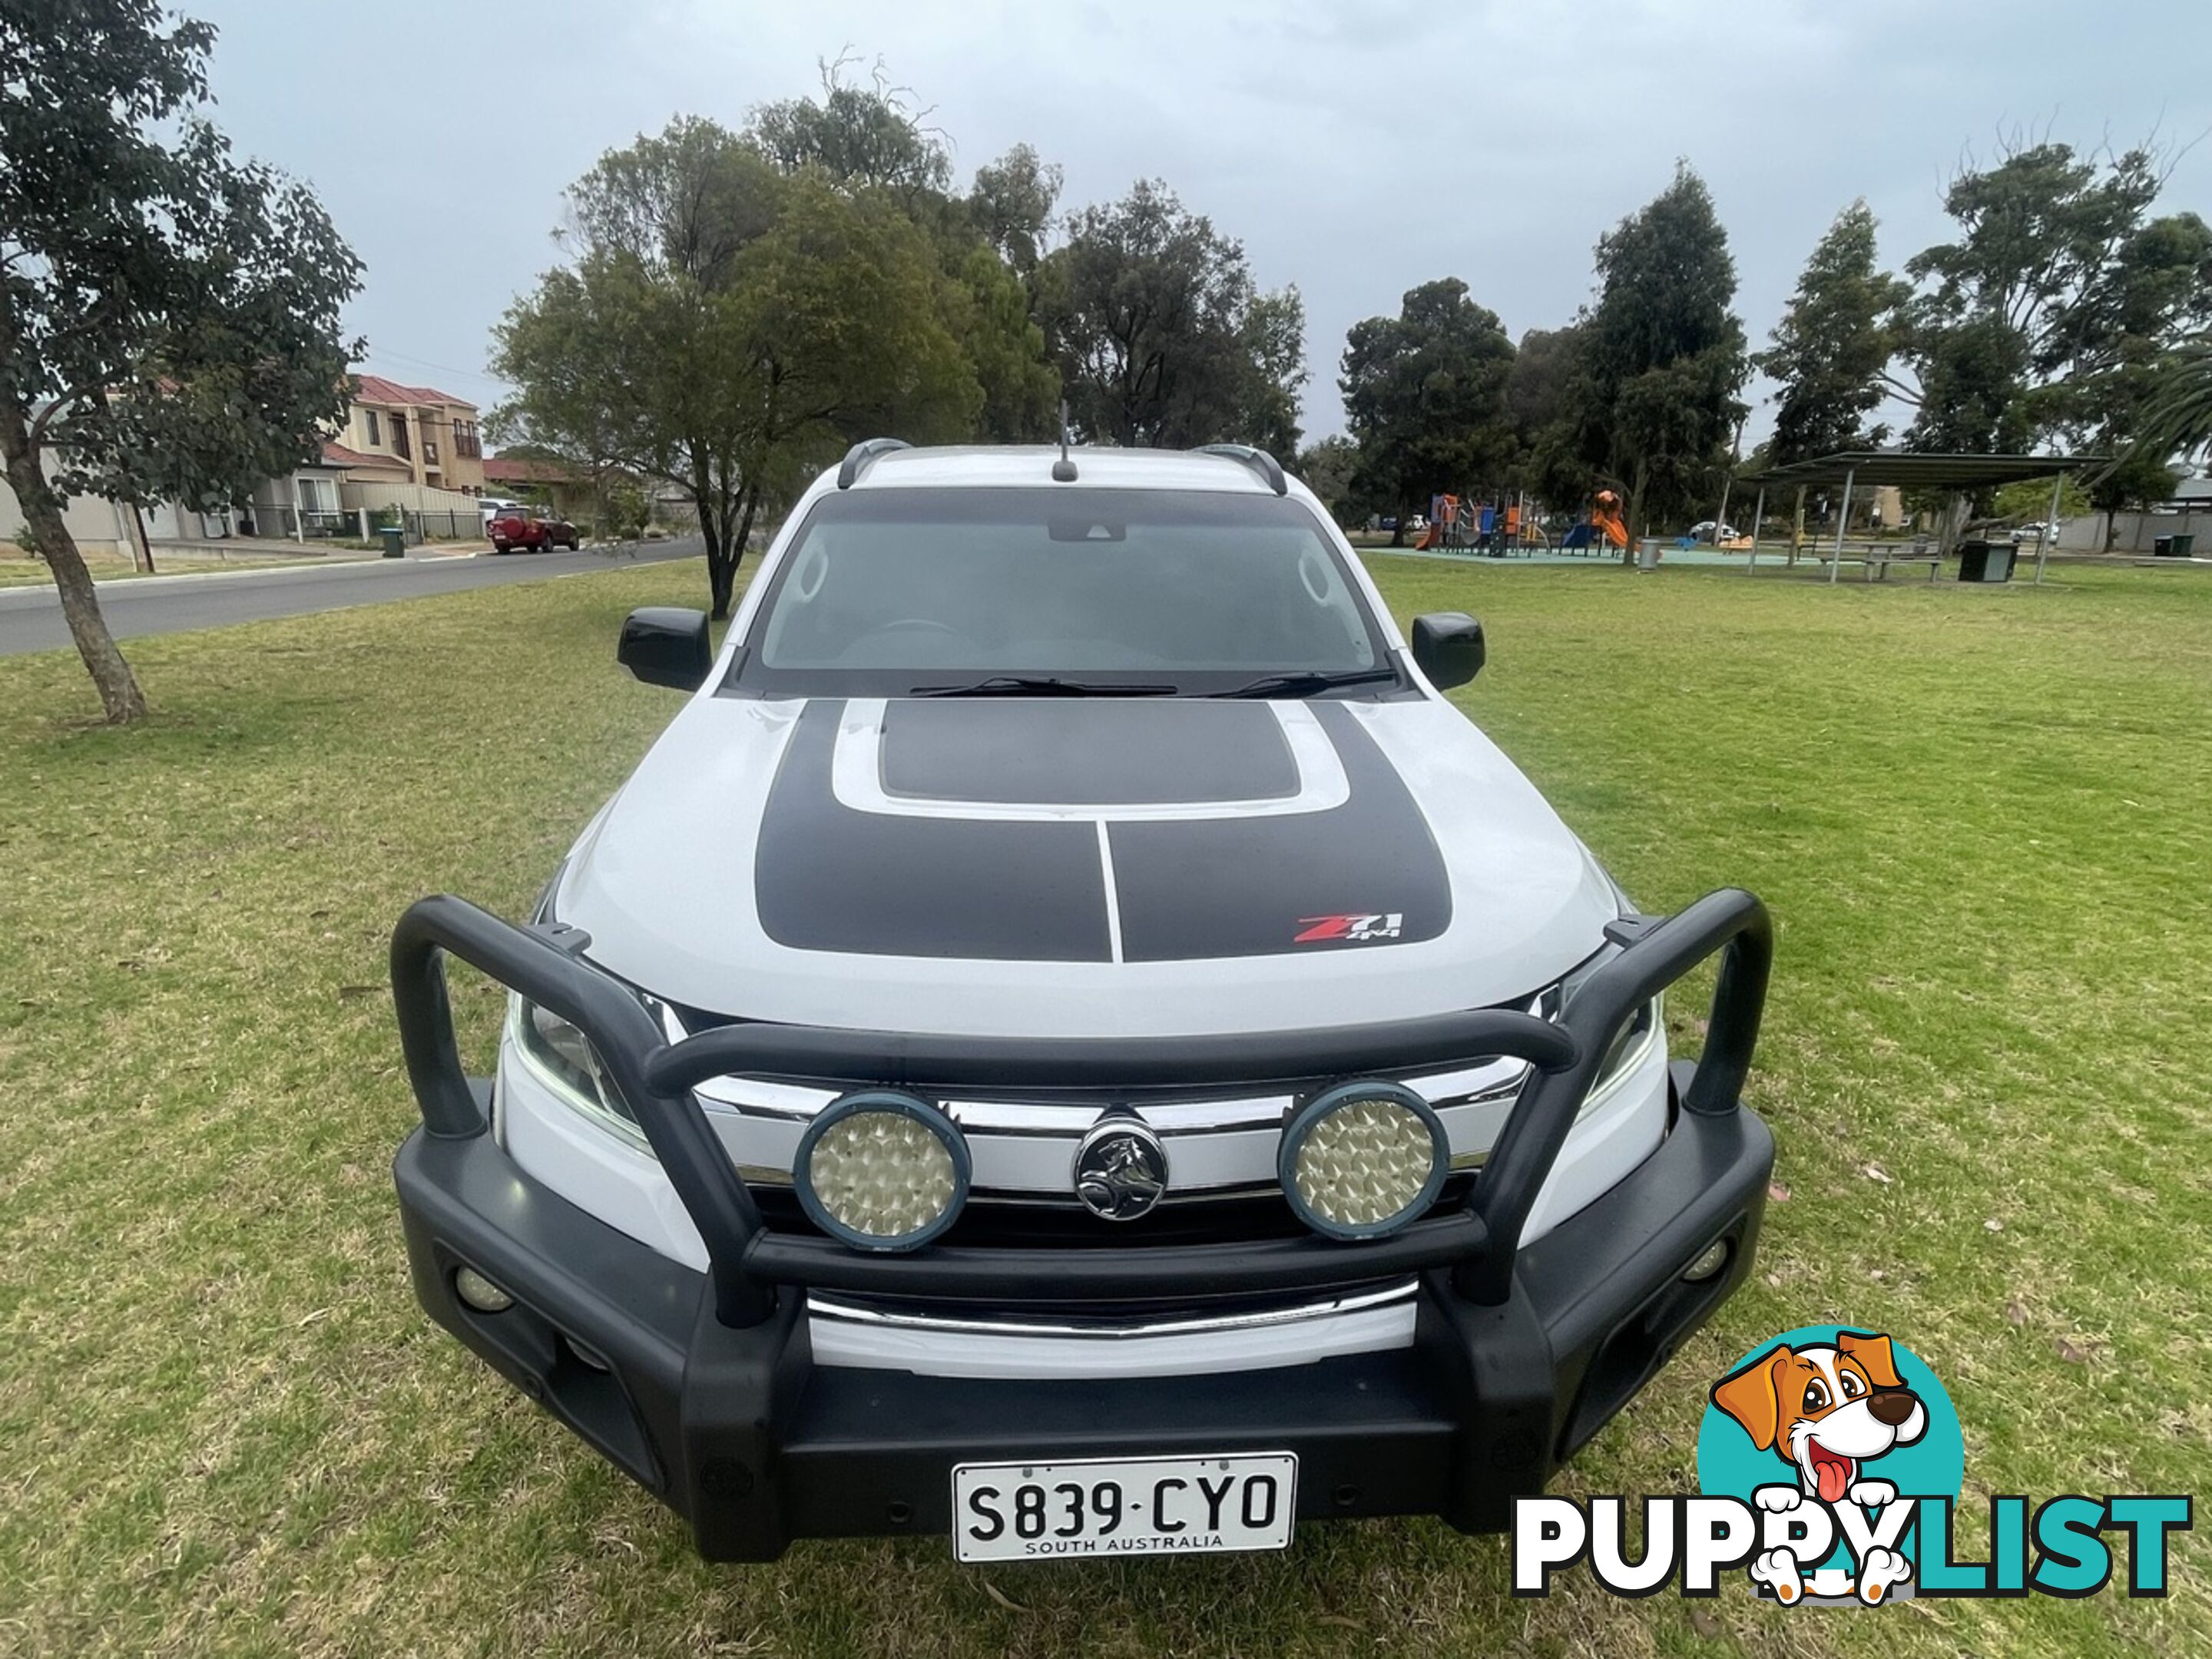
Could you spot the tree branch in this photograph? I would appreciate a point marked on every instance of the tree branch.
(43, 418)
(1910, 394)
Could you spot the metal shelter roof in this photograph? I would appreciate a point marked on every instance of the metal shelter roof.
(1918, 469)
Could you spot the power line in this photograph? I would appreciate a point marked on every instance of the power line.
(442, 369)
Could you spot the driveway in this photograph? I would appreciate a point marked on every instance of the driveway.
(31, 617)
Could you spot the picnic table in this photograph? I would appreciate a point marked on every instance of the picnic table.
(1875, 557)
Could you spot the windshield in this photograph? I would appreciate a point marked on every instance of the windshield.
(887, 592)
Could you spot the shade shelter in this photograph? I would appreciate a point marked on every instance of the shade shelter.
(1914, 470)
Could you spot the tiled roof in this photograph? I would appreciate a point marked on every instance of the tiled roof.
(337, 454)
(375, 389)
(522, 469)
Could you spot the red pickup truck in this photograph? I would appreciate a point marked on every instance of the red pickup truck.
(530, 532)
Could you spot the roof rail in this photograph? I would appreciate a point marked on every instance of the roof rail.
(862, 455)
(1269, 469)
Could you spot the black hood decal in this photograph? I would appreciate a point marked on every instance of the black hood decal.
(828, 877)
(1108, 751)
(1364, 873)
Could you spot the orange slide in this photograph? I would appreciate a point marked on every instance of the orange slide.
(1605, 519)
(1444, 510)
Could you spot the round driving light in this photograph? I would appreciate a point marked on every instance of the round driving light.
(479, 1292)
(1362, 1159)
(880, 1170)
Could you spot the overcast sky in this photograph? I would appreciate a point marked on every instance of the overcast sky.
(1357, 147)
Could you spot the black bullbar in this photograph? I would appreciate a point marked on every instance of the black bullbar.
(1477, 1241)
(706, 1391)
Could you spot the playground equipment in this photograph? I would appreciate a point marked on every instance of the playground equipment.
(1443, 515)
(1606, 520)
(1602, 530)
(1463, 524)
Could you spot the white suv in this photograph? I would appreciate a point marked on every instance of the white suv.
(1069, 1041)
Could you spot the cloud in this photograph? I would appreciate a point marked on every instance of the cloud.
(1357, 147)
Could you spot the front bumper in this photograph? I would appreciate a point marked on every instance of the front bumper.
(702, 1386)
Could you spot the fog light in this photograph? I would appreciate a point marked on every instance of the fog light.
(1710, 1262)
(880, 1170)
(583, 1356)
(480, 1293)
(1362, 1159)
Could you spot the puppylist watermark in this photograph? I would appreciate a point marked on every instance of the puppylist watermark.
(1830, 1461)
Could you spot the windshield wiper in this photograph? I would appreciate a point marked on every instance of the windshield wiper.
(1026, 685)
(1305, 685)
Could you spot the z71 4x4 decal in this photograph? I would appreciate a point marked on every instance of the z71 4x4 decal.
(1354, 927)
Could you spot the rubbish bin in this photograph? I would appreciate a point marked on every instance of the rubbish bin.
(1985, 562)
(1647, 553)
(2173, 547)
(2184, 544)
(395, 542)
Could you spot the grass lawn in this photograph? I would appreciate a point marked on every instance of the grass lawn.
(1980, 815)
(20, 569)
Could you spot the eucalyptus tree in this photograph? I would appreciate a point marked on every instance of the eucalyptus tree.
(1660, 358)
(169, 314)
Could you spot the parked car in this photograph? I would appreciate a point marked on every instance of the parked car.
(1703, 531)
(1069, 1040)
(529, 530)
(2037, 531)
(496, 507)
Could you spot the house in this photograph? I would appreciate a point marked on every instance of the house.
(412, 449)
(100, 528)
(412, 434)
(569, 490)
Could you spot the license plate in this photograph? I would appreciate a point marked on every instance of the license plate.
(1124, 1506)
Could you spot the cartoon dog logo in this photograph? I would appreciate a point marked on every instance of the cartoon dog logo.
(1827, 1412)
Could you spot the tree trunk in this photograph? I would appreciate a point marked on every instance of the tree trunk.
(722, 574)
(751, 505)
(727, 553)
(714, 530)
(119, 694)
(726, 543)
(1631, 504)
(1398, 530)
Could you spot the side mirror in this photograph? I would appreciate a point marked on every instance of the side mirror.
(1449, 647)
(666, 645)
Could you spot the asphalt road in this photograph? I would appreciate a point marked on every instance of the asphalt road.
(31, 617)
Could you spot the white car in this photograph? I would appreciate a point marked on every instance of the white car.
(1071, 1041)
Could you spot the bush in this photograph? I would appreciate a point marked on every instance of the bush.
(28, 539)
(626, 510)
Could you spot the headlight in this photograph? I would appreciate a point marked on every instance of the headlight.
(1360, 1160)
(1629, 1048)
(880, 1170)
(561, 1057)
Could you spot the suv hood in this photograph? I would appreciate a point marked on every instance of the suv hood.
(1081, 866)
